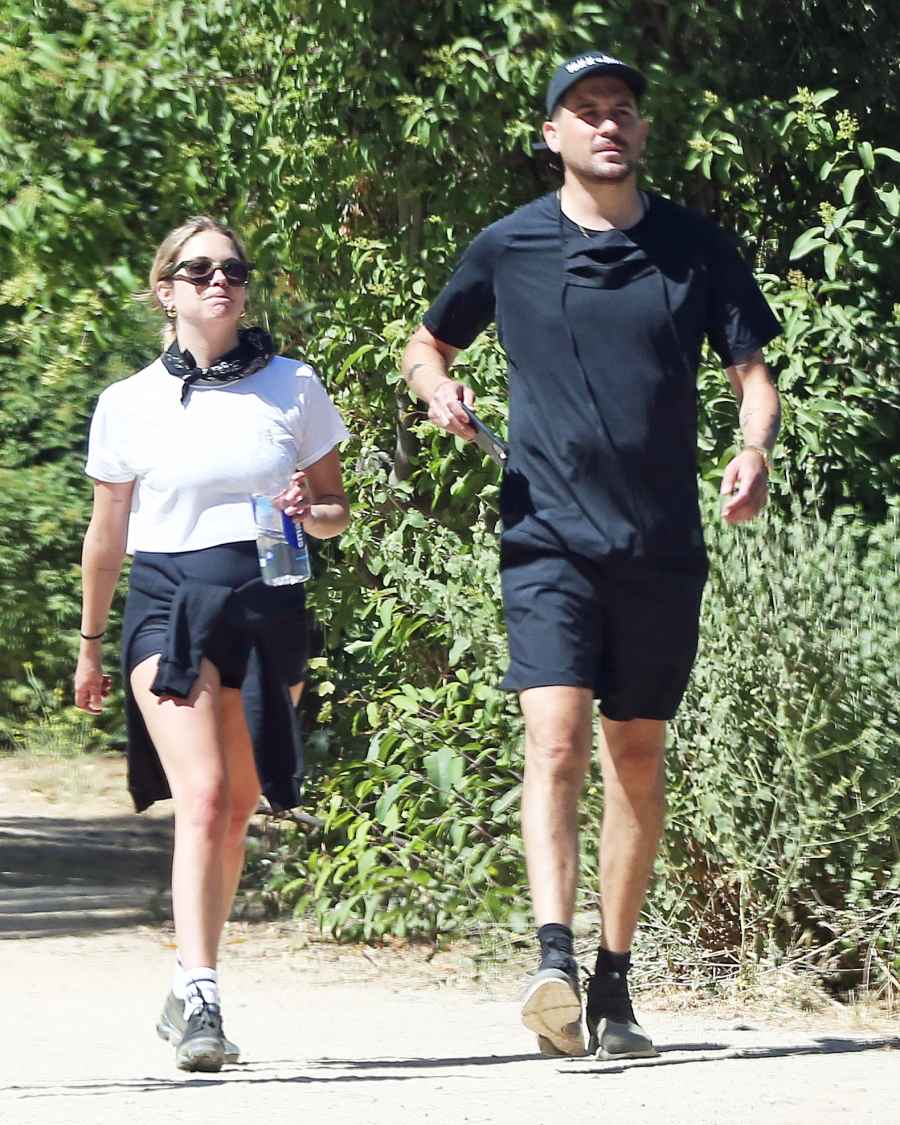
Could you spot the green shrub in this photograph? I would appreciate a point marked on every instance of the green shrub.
(784, 792)
(785, 798)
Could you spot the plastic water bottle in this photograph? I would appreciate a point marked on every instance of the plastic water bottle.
(280, 543)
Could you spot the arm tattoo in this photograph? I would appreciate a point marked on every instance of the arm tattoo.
(760, 409)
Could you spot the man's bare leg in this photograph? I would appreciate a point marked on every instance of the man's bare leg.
(558, 740)
(632, 757)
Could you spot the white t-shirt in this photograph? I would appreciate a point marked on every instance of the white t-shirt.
(195, 464)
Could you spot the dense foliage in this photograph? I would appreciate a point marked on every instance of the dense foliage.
(359, 144)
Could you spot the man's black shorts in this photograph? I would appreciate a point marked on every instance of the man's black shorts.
(627, 630)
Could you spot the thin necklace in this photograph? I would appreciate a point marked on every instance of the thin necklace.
(641, 194)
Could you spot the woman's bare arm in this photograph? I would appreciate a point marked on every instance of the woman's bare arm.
(316, 498)
(101, 563)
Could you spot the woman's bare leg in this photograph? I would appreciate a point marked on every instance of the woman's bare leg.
(244, 789)
(188, 736)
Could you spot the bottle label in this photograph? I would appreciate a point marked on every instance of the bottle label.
(291, 531)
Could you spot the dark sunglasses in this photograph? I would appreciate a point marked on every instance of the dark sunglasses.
(199, 271)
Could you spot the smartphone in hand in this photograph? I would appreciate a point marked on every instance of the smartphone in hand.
(485, 438)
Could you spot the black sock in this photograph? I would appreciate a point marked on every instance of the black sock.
(612, 962)
(558, 937)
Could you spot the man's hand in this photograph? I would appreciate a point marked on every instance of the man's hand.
(445, 409)
(745, 487)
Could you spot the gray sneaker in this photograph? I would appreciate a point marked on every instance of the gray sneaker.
(551, 1008)
(171, 1027)
(202, 1046)
(613, 1031)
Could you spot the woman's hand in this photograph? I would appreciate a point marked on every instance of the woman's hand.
(91, 685)
(297, 499)
(316, 499)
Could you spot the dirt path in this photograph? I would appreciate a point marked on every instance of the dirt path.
(338, 1035)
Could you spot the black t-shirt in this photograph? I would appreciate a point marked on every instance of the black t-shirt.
(603, 332)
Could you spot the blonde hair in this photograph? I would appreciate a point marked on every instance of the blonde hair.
(168, 256)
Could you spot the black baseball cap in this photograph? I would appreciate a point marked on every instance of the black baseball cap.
(591, 62)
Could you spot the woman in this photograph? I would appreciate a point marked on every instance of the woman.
(175, 452)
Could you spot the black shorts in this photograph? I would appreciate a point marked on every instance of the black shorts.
(627, 630)
(228, 647)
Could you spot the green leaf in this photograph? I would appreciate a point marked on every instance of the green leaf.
(810, 240)
(706, 164)
(459, 646)
(444, 769)
(866, 155)
(891, 153)
(405, 703)
(366, 862)
(507, 800)
(386, 611)
(890, 197)
(392, 819)
(501, 62)
(354, 357)
(820, 97)
(850, 183)
(466, 43)
(386, 802)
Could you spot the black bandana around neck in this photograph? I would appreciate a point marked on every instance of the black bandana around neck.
(254, 350)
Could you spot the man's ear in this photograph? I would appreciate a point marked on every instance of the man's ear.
(551, 137)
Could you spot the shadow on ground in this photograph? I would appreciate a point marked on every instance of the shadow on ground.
(338, 1070)
(679, 1054)
(70, 876)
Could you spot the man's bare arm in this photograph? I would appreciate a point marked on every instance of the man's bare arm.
(760, 406)
(745, 482)
(425, 367)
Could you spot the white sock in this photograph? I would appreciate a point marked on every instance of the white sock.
(201, 986)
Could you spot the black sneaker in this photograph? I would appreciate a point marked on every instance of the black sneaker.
(170, 1027)
(613, 1032)
(202, 1046)
(551, 1006)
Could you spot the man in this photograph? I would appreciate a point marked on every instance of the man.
(602, 294)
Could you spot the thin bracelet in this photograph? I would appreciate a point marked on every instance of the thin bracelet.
(764, 454)
(92, 637)
(424, 363)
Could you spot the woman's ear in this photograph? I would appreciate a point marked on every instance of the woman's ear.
(164, 293)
